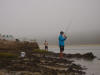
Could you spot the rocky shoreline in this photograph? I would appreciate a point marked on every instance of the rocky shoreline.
(36, 61)
(47, 63)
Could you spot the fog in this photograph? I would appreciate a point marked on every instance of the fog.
(44, 19)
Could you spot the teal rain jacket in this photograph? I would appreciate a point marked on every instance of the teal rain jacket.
(61, 40)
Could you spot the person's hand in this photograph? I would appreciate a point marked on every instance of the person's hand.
(65, 36)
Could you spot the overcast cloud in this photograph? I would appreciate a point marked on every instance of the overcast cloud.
(43, 19)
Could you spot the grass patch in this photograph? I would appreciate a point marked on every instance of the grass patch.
(40, 51)
(8, 56)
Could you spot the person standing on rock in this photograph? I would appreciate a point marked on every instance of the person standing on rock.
(46, 45)
(62, 38)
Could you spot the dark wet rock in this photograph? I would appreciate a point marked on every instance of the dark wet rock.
(50, 64)
(41, 66)
(89, 55)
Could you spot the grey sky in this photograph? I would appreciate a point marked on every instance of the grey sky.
(45, 18)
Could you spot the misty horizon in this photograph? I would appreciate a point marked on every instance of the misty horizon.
(43, 20)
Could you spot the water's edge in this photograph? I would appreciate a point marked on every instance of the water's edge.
(93, 66)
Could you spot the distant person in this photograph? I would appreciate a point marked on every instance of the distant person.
(62, 38)
(46, 45)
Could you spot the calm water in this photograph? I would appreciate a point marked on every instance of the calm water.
(93, 66)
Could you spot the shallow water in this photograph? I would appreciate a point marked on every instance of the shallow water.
(93, 67)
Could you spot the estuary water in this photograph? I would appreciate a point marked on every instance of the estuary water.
(93, 67)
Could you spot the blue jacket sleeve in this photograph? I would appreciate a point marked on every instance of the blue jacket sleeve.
(62, 38)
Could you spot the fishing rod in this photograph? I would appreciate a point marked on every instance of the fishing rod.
(68, 27)
(65, 29)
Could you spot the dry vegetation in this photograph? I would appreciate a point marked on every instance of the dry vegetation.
(17, 45)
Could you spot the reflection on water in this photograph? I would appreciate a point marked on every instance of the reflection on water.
(93, 66)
